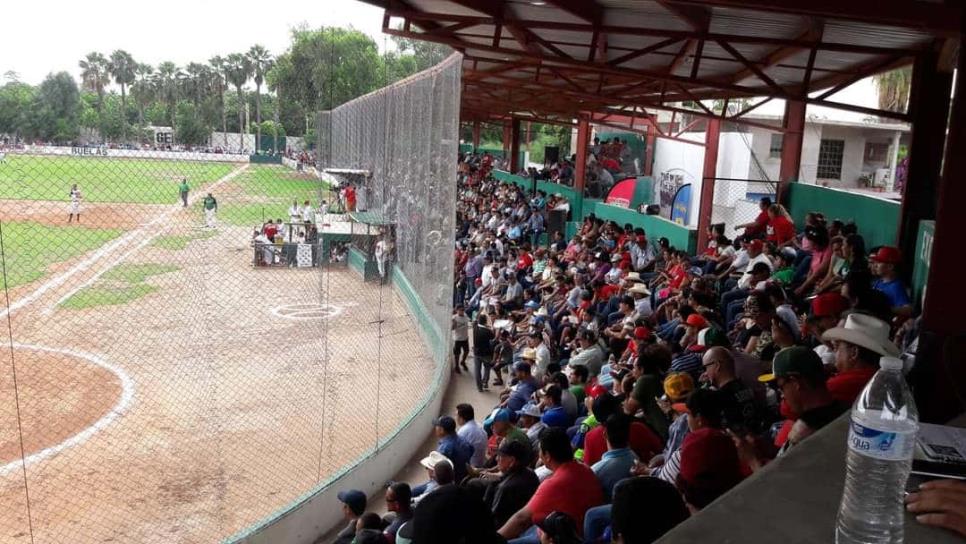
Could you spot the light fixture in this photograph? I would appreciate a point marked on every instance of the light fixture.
(537, 3)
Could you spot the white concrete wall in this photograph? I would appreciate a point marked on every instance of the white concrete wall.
(104, 152)
(687, 159)
(230, 140)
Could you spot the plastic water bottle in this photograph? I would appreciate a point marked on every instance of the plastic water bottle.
(882, 437)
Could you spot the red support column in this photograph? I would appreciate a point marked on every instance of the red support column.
(940, 372)
(515, 146)
(506, 138)
(476, 135)
(580, 167)
(649, 151)
(929, 107)
(794, 123)
(706, 207)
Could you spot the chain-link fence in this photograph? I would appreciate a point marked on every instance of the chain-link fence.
(736, 201)
(188, 344)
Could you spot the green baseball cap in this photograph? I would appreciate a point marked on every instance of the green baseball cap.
(794, 360)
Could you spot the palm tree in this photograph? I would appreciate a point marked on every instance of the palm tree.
(94, 75)
(237, 71)
(143, 93)
(217, 64)
(261, 62)
(166, 82)
(893, 89)
(122, 67)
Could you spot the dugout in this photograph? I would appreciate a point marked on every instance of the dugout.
(360, 180)
(367, 230)
(293, 245)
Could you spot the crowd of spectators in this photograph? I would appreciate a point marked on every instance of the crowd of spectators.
(637, 383)
(607, 163)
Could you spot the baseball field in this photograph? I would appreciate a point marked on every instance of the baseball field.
(154, 386)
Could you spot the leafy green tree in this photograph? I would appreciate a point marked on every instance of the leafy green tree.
(893, 89)
(237, 71)
(421, 53)
(191, 128)
(16, 102)
(123, 68)
(57, 106)
(261, 62)
(327, 67)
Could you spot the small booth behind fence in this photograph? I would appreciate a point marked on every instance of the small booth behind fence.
(358, 181)
(286, 245)
(371, 245)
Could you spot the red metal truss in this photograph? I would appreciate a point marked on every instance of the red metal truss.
(559, 59)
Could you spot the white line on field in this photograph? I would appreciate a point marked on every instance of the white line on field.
(127, 395)
(86, 263)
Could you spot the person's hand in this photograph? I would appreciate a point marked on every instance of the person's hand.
(940, 503)
(663, 404)
(640, 469)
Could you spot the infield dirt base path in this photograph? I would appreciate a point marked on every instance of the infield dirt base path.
(235, 410)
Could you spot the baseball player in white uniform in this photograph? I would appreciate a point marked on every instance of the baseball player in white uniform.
(75, 203)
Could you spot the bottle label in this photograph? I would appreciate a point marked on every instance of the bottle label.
(884, 445)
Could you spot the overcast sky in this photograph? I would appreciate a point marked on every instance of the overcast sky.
(46, 36)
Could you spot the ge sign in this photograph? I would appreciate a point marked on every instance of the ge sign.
(162, 137)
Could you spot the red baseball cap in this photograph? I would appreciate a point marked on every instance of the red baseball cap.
(887, 254)
(757, 244)
(829, 305)
(696, 320)
(597, 390)
(709, 461)
(642, 333)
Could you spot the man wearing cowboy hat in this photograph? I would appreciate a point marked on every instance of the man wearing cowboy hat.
(642, 298)
(858, 346)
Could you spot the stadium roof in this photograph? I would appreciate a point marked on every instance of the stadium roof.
(553, 59)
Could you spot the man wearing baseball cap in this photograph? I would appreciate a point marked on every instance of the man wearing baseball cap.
(516, 485)
(457, 450)
(520, 393)
(353, 505)
(797, 374)
(859, 344)
(884, 262)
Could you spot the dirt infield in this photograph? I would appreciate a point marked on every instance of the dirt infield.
(95, 216)
(235, 410)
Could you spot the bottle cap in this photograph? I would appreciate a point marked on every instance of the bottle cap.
(890, 363)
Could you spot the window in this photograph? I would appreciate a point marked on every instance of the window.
(775, 149)
(830, 159)
(876, 152)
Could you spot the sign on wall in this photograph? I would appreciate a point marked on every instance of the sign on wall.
(671, 181)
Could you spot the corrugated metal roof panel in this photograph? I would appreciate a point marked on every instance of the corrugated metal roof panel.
(743, 22)
(641, 13)
(567, 36)
(443, 6)
(857, 33)
(527, 10)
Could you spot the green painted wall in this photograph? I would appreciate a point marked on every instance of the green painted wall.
(655, 227)
(877, 218)
(920, 270)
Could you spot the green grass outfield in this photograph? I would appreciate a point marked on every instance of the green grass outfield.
(29, 248)
(268, 193)
(120, 285)
(141, 181)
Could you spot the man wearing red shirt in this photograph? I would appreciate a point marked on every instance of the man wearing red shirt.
(780, 230)
(643, 442)
(524, 261)
(757, 228)
(858, 346)
(573, 488)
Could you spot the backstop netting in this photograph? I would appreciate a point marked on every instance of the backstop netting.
(186, 366)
